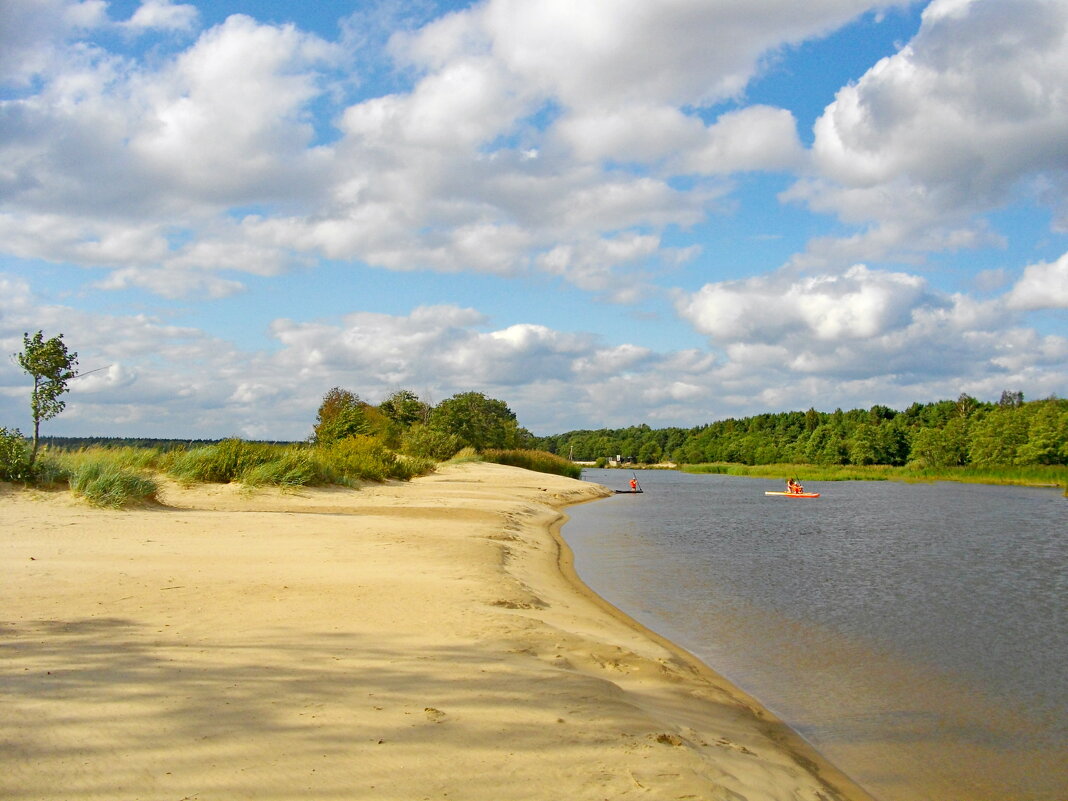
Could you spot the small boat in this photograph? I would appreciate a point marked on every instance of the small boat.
(630, 491)
(792, 494)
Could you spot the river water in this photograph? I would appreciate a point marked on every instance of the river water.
(915, 634)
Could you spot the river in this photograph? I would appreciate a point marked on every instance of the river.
(915, 634)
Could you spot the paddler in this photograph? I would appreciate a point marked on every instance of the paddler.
(634, 485)
(794, 486)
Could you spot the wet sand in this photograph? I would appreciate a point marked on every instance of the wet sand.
(405, 641)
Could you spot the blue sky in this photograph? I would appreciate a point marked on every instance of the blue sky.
(603, 212)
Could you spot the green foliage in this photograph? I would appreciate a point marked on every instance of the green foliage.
(477, 421)
(359, 458)
(539, 461)
(341, 414)
(52, 366)
(402, 410)
(105, 484)
(14, 456)
(426, 443)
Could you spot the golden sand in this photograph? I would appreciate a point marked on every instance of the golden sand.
(421, 640)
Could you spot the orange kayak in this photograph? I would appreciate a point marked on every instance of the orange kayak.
(794, 494)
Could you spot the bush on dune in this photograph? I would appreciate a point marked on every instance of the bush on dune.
(363, 458)
(427, 443)
(14, 456)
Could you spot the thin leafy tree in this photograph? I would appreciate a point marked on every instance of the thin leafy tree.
(52, 367)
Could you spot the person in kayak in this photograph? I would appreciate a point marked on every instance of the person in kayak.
(794, 486)
(634, 485)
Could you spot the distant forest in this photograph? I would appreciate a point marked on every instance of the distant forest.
(934, 435)
(163, 444)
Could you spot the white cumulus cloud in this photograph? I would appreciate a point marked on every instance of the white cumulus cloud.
(1043, 286)
(968, 112)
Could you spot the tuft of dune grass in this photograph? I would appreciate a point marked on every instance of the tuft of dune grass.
(111, 486)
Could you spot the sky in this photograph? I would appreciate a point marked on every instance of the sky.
(602, 212)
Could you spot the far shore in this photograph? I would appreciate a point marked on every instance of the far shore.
(408, 640)
(1022, 476)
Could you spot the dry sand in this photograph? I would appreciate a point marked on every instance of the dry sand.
(422, 640)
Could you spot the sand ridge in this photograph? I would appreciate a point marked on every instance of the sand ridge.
(404, 641)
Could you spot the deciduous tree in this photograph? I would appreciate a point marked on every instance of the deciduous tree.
(52, 367)
(477, 421)
(341, 414)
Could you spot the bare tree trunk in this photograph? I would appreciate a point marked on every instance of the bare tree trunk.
(36, 424)
(36, 441)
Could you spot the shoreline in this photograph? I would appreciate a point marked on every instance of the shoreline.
(421, 640)
(800, 749)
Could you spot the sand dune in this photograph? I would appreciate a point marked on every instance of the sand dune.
(424, 640)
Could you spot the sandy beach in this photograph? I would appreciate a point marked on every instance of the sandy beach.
(421, 640)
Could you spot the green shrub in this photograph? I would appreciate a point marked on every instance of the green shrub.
(48, 470)
(358, 458)
(426, 443)
(14, 456)
(406, 468)
(104, 484)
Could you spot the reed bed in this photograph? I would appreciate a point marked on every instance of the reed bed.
(1022, 475)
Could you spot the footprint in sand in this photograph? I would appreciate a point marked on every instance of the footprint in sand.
(435, 715)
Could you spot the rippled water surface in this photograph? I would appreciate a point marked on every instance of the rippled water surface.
(916, 634)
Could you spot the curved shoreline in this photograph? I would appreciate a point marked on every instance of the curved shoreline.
(803, 753)
(420, 640)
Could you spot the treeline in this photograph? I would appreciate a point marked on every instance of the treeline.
(405, 423)
(161, 444)
(934, 435)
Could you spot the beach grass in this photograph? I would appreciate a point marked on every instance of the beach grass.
(254, 464)
(539, 461)
(111, 486)
(221, 463)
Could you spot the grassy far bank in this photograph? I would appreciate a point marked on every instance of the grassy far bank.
(1024, 475)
